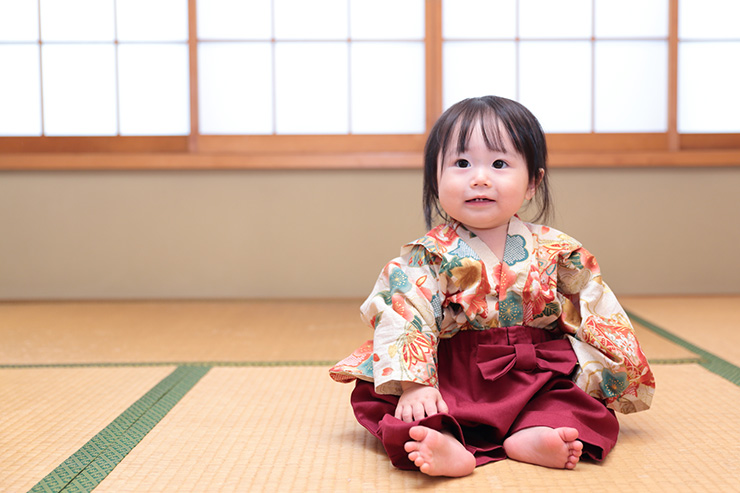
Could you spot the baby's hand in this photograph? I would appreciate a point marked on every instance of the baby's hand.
(418, 401)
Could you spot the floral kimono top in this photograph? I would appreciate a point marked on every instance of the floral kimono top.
(449, 280)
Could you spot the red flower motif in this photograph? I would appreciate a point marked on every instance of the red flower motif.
(475, 302)
(445, 235)
(415, 348)
(537, 292)
(400, 307)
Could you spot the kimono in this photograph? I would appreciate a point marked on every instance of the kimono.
(449, 282)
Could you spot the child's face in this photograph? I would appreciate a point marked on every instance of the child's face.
(481, 188)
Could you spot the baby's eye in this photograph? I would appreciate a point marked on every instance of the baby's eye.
(462, 163)
(499, 164)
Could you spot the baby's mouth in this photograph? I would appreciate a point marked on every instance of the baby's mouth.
(479, 200)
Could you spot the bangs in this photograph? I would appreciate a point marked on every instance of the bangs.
(483, 118)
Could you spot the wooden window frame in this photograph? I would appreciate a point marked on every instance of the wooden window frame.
(196, 151)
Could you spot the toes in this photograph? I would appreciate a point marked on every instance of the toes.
(576, 449)
(574, 457)
(418, 433)
(418, 460)
(568, 434)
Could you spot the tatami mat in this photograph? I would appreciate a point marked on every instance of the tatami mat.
(659, 348)
(291, 429)
(710, 322)
(47, 414)
(179, 331)
(261, 413)
(201, 331)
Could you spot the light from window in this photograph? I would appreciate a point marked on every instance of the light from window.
(320, 67)
(79, 87)
(708, 97)
(387, 88)
(20, 104)
(631, 18)
(579, 65)
(564, 19)
(102, 68)
(19, 20)
(630, 80)
(77, 20)
(230, 89)
(708, 68)
(234, 20)
(94, 68)
(708, 19)
(494, 70)
(152, 20)
(555, 83)
(311, 87)
(154, 94)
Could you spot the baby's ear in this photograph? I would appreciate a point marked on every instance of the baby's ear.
(538, 179)
(534, 184)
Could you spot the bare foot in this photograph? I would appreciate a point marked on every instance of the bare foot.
(438, 453)
(550, 447)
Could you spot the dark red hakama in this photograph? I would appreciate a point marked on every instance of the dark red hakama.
(495, 383)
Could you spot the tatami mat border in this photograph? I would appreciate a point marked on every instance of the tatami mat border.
(713, 363)
(87, 467)
(675, 361)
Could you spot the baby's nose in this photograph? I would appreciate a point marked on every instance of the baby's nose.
(482, 178)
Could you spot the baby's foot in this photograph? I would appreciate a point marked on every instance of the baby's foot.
(438, 453)
(549, 447)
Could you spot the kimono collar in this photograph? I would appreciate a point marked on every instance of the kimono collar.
(518, 249)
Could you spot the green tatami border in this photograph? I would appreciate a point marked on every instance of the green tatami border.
(88, 467)
(711, 362)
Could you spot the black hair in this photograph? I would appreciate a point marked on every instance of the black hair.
(491, 113)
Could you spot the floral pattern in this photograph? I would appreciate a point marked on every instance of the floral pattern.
(449, 280)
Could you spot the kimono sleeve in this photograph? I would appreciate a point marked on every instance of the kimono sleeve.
(402, 312)
(612, 366)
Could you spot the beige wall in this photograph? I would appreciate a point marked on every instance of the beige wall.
(235, 234)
